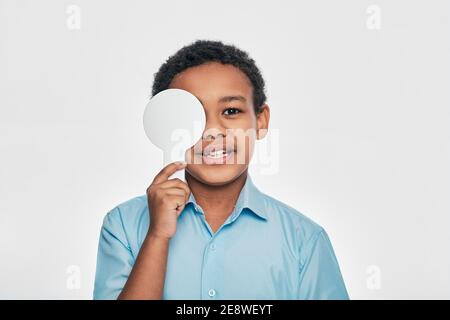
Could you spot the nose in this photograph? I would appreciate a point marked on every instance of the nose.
(213, 128)
(212, 134)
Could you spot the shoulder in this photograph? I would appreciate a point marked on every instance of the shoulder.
(307, 234)
(290, 218)
(127, 219)
(280, 210)
(129, 210)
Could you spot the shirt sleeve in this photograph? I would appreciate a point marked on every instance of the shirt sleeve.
(114, 258)
(320, 276)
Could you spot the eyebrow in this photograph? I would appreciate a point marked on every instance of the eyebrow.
(231, 98)
(228, 99)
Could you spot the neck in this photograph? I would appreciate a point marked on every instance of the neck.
(216, 200)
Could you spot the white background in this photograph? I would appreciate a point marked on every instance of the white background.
(362, 113)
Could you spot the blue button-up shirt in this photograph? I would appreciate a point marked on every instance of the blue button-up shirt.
(264, 250)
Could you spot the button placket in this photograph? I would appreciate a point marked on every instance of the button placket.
(212, 279)
(212, 271)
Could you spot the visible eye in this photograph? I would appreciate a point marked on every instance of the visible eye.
(231, 111)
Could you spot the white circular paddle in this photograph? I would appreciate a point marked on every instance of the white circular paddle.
(174, 121)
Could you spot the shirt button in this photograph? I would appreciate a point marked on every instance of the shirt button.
(213, 246)
(212, 292)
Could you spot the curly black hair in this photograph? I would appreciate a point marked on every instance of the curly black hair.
(203, 51)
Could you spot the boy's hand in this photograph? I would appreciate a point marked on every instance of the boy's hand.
(166, 200)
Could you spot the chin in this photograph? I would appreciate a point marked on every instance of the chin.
(216, 175)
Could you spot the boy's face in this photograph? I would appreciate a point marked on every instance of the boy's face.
(231, 123)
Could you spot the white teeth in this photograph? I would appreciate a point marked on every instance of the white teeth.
(216, 154)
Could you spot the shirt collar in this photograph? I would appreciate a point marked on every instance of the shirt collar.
(250, 197)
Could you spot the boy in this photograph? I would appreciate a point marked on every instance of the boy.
(215, 236)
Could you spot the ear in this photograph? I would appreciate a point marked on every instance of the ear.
(262, 119)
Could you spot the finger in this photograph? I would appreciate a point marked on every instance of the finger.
(176, 183)
(175, 192)
(176, 201)
(180, 207)
(167, 171)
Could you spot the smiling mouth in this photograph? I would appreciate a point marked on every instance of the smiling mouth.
(212, 155)
(217, 154)
(218, 157)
